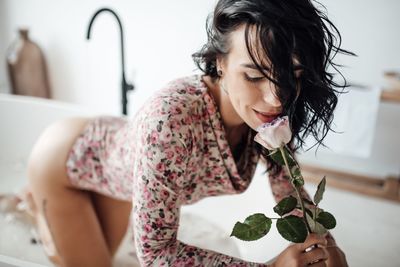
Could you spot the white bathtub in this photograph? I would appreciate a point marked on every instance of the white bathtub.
(22, 119)
(367, 228)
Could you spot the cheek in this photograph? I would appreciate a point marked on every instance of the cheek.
(244, 102)
(248, 96)
(243, 94)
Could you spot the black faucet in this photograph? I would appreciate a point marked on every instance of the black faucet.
(125, 86)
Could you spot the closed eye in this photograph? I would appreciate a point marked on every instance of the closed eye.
(253, 79)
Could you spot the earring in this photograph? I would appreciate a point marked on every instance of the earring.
(219, 73)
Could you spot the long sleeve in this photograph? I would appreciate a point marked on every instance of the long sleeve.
(161, 157)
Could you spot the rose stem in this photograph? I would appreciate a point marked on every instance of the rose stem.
(296, 189)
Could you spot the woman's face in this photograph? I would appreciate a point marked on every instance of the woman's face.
(252, 96)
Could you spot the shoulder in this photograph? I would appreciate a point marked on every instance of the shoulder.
(180, 99)
(180, 96)
(171, 110)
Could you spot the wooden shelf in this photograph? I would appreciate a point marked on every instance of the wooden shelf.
(390, 95)
(385, 188)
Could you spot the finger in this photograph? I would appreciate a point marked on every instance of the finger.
(330, 239)
(316, 255)
(313, 239)
(318, 264)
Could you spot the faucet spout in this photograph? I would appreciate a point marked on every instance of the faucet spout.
(124, 85)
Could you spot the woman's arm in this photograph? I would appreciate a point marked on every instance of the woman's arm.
(161, 157)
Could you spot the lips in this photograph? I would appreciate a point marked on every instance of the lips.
(265, 117)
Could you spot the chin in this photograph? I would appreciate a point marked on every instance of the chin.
(252, 123)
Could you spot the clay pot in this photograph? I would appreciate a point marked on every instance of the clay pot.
(27, 68)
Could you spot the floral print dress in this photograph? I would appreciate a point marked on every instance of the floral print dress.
(173, 152)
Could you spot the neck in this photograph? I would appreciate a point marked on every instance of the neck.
(235, 127)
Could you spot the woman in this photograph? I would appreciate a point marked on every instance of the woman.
(193, 139)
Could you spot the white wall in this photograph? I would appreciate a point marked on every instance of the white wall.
(160, 38)
(370, 29)
(3, 41)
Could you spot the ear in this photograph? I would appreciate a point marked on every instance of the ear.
(221, 63)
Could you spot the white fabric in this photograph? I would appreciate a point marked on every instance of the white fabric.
(354, 122)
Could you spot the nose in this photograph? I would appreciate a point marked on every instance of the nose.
(269, 96)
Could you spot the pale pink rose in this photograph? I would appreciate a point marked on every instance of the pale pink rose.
(187, 120)
(275, 134)
(175, 125)
(178, 160)
(160, 167)
(166, 138)
(169, 154)
(154, 137)
(148, 228)
(172, 176)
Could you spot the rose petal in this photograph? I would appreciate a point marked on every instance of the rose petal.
(274, 134)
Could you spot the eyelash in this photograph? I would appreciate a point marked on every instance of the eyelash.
(253, 79)
(259, 79)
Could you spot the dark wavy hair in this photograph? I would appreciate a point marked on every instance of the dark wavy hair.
(285, 29)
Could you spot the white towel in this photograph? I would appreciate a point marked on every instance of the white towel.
(354, 122)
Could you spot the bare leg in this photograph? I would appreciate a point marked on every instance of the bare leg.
(76, 219)
(113, 216)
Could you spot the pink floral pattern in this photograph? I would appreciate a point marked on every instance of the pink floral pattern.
(172, 153)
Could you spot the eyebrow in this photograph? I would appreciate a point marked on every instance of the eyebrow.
(254, 67)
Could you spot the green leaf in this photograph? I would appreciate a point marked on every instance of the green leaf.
(308, 202)
(309, 212)
(296, 171)
(297, 177)
(292, 228)
(313, 211)
(298, 182)
(320, 191)
(286, 205)
(315, 226)
(253, 228)
(310, 220)
(277, 157)
(326, 219)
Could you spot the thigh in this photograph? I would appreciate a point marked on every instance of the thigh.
(49, 177)
(113, 215)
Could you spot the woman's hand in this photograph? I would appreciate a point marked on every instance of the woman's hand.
(302, 254)
(336, 256)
